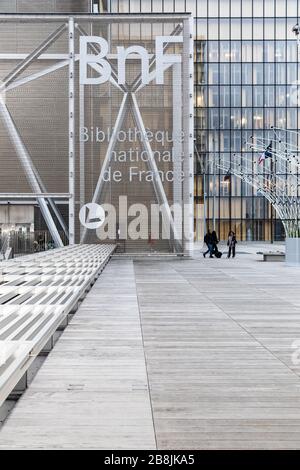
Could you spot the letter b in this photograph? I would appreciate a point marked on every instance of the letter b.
(96, 61)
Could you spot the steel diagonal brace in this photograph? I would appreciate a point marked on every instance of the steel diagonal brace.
(37, 75)
(158, 186)
(33, 56)
(152, 76)
(108, 155)
(51, 203)
(27, 165)
(9, 83)
(137, 84)
(44, 190)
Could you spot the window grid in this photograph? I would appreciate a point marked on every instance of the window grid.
(245, 68)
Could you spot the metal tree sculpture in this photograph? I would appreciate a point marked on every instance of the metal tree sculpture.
(275, 175)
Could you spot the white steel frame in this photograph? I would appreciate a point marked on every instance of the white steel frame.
(71, 33)
(70, 26)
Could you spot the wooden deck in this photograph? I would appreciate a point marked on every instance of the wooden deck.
(93, 390)
(217, 337)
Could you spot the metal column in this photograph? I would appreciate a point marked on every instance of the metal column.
(82, 148)
(157, 183)
(188, 112)
(177, 144)
(33, 56)
(71, 131)
(107, 159)
(214, 177)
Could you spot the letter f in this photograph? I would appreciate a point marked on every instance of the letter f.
(163, 61)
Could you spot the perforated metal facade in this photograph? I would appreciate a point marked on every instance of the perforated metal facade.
(61, 141)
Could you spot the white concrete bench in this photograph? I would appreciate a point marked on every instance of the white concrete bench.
(274, 256)
(37, 293)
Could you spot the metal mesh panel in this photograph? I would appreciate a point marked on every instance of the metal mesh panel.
(44, 6)
(39, 106)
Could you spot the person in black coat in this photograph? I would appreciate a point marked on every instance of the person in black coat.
(231, 244)
(215, 241)
(209, 244)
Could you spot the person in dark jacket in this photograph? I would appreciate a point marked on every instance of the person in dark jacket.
(215, 241)
(209, 244)
(231, 244)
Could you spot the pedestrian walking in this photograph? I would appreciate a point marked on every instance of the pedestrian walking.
(231, 244)
(209, 244)
(215, 242)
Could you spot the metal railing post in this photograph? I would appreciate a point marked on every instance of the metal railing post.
(71, 131)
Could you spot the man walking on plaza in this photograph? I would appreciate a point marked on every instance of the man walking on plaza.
(209, 243)
(231, 244)
(215, 242)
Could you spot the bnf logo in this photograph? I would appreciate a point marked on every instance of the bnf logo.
(92, 215)
(101, 65)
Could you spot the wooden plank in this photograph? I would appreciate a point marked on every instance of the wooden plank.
(218, 339)
(217, 336)
(31, 328)
(92, 391)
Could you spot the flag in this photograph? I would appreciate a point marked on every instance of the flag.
(266, 154)
(227, 176)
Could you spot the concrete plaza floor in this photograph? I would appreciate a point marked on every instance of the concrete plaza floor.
(176, 354)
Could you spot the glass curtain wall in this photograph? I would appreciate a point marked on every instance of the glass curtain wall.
(246, 68)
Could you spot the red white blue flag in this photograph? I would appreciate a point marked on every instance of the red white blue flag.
(266, 154)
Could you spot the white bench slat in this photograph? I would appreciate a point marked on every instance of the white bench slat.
(36, 294)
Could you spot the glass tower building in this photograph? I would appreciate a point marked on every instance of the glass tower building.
(246, 76)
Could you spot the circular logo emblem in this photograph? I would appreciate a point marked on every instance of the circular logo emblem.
(92, 215)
